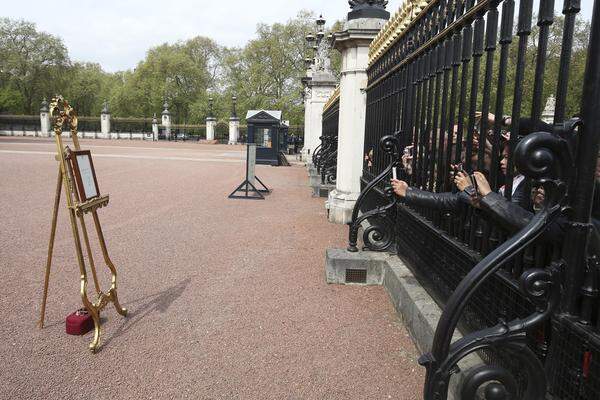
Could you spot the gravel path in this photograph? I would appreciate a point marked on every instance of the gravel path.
(227, 298)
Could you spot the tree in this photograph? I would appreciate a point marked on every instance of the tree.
(32, 64)
(266, 73)
(180, 73)
(87, 87)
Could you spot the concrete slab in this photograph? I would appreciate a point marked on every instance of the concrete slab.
(340, 264)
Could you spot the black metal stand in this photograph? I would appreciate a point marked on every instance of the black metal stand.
(250, 192)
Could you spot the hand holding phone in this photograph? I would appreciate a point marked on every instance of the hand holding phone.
(471, 190)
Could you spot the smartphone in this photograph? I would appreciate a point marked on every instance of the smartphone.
(458, 168)
(472, 189)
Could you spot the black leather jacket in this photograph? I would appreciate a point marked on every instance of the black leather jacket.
(447, 201)
(513, 218)
(512, 215)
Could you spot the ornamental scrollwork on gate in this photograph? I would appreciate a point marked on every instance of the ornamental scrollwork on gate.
(379, 234)
(548, 159)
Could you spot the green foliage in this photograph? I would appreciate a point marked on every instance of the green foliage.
(266, 73)
(32, 64)
(576, 69)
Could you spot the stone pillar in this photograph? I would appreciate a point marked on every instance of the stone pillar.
(166, 120)
(211, 128)
(105, 121)
(320, 89)
(211, 122)
(45, 120)
(305, 153)
(234, 130)
(154, 128)
(353, 43)
(319, 83)
(234, 123)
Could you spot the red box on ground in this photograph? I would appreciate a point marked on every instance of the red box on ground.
(79, 323)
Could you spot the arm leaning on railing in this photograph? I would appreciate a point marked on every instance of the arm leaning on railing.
(446, 201)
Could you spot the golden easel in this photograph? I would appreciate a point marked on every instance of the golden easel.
(62, 113)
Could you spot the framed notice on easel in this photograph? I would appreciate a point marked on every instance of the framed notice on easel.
(85, 175)
(76, 174)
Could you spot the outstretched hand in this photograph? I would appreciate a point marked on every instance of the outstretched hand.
(462, 180)
(400, 187)
(483, 186)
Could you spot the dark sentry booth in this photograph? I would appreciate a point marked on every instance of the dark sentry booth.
(266, 129)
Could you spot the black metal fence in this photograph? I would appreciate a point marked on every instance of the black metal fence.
(20, 123)
(430, 98)
(130, 125)
(325, 155)
(89, 124)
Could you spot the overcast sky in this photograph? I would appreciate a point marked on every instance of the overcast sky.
(117, 33)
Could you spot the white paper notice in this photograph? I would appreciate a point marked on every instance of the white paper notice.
(251, 163)
(87, 177)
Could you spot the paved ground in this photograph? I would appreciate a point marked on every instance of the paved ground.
(227, 298)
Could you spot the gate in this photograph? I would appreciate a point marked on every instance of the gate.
(325, 155)
(525, 292)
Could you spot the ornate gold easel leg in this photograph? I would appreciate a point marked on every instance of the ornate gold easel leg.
(94, 313)
(51, 246)
(113, 288)
(86, 240)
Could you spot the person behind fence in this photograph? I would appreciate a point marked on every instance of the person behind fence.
(513, 218)
(408, 154)
(449, 201)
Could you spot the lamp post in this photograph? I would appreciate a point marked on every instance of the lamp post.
(318, 84)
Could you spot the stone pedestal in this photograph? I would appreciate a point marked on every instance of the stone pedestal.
(166, 121)
(319, 90)
(211, 128)
(45, 120)
(234, 130)
(353, 44)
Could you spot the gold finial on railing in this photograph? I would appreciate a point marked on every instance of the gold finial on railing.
(334, 96)
(395, 28)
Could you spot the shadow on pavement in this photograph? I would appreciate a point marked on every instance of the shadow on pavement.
(157, 302)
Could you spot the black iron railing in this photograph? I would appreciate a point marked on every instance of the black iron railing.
(20, 123)
(325, 158)
(526, 295)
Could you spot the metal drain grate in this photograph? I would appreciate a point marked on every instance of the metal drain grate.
(356, 276)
